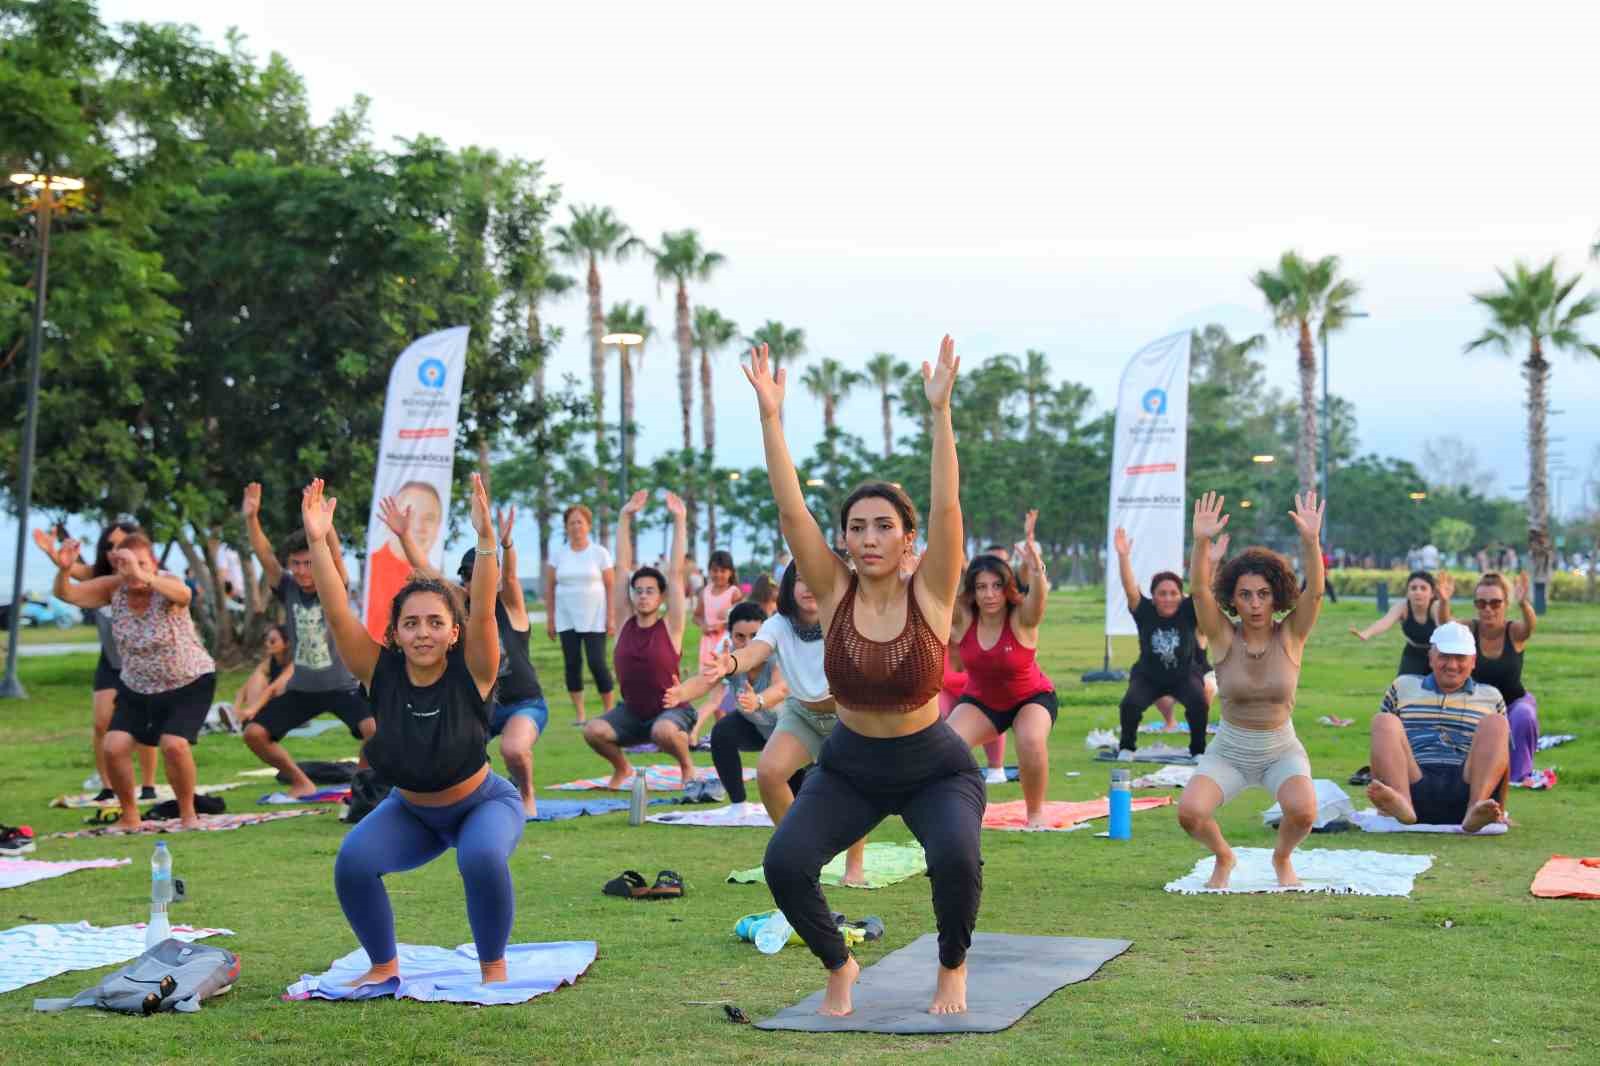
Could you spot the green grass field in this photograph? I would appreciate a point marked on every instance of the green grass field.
(1471, 968)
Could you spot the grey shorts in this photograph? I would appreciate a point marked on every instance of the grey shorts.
(1237, 759)
(806, 726)
(631, 729)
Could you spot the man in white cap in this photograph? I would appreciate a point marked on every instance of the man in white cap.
(1441, 744)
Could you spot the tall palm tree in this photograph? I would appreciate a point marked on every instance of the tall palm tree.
(1528, 310)
(1035, 386)
(595, 233)
(886, 372)
(626, 317)
(712, 333)
(830, 381)
(782, 343)
(680, 259)
(548, 285)
(1299, 293)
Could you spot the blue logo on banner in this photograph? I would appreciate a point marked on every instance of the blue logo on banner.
(1155, 402)
(431, 374)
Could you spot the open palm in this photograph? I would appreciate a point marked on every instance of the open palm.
(316, 511)
(939, 377)
(1209, 519)
(1307, 515)
(769, 386)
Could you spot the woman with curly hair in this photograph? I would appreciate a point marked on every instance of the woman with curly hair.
(1258, 669)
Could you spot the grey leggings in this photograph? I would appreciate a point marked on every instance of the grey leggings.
(574, 647)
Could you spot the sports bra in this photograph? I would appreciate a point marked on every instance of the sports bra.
(893, 676)
(429, 737)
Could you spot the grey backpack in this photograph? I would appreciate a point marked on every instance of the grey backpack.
(172, 975)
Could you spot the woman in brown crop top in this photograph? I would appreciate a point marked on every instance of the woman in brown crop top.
(884, 657)
(1258, 670)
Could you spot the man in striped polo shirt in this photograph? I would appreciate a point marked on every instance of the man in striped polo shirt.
(1441, 744)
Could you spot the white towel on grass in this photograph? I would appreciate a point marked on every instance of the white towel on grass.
(30, 953)
(1332, 805)
(1371, 821)
(751, 815)
(1356, 873)
(1166, 777)
(14, 872)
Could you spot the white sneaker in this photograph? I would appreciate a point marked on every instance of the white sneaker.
(994, 776)
(92, 783)
(1124, 755)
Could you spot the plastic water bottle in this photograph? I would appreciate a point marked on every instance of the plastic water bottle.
(1121, 804)
(773, 934)
(638, 800)
(159, 928)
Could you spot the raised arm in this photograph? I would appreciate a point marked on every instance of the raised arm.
(1383, 624)
(1130, 583)
(1031, 612)
(271, 569)
(1209, 522)
(1530, 620)
(336, 550)
(814, 559)
(1307, 515)
(170, 587)
(677, 602)
(481, 641)
(622, 556)
(511, 594)
(1440, 607)
(357, 649)
(398, 519)
(46, 540)
(95, 592)
(940, 568)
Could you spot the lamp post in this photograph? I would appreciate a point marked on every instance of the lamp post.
(1327, 430)
(1263, 466)
(45, 185)
(622, 342)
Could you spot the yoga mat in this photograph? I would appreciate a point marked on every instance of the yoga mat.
(1007, 976)
(1062, 816)
(1166, 777)
(657, 778)
(1565, 877)
(554, 810)
(15, 872)
(1160, 727)
(315, 728)
(1355, 873)
(267, 771)
(647, 747)
(209, 823)
(163, 792)
(885, 864)
(1370, 821)
(337, 794)
(30, 953)
(751, 815)
(437, 975)
(1161, 753)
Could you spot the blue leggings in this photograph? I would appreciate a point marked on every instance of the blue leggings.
(483, 828)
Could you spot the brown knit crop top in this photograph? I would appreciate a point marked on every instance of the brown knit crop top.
(892, 676)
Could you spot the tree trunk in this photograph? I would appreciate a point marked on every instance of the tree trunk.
(1305, 460)
(542, 511)
(597, 372)
(483, 461)
(1537, 371)
(686, 405)
(888, 425)
(708, 431)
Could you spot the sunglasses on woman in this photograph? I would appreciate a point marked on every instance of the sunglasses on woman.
(1484, 605)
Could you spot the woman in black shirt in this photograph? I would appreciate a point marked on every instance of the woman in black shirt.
(432, 684)
(1168, 654)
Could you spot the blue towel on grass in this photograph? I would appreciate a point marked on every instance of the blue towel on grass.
(438, 975)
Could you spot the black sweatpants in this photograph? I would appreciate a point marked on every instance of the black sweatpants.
(1144, 689)
(574, 647)
(736, 733)
(930, 780)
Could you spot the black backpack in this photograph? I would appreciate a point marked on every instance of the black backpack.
(367, 790)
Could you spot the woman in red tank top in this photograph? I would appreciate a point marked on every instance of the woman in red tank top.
(996, 630)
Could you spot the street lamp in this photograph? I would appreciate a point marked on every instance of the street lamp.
(622, 342)
(1418, 496)
(1263, 459)
(1327, 430)
(46, 186)
(813, 482)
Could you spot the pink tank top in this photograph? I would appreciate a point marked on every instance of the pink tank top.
(715, 607)
(1002, 676)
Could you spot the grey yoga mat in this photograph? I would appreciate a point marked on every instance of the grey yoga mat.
(1007, 976)
(1161, 754)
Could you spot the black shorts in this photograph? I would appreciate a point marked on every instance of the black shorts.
(178, 712)
(1440, 797)
(1003, 720)
(295, 708)
(105, 675)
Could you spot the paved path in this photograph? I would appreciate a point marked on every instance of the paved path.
(26, 651)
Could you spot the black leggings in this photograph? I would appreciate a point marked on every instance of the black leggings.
(1188, 689)
(574, 646)
(736, 733)
(930, 780)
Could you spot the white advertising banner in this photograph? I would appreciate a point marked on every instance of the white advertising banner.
(415, 457)
(1147, 469)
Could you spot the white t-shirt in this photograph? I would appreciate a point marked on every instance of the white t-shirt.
(580, 589)
(800, 660)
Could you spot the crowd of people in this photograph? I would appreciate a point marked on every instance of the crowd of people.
(861, 673)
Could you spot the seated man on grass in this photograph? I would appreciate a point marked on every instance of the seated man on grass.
(1441, 744)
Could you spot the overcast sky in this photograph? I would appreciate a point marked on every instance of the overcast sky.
(1028, 175)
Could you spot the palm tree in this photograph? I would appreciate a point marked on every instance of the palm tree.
(1527, 310)
(1035, 386)
(548, 284)
(625, 317)
(679, 260)
(885, 372)
(830, 382)
(595, 234)
(1298, 293)
(712, 333)
(782, 344)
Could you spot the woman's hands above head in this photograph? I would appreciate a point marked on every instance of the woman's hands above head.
(1120, 541)
(397, 518)
(1209, 519)
(316, 511)
(939, 377)
(67, 555)
(504, 523)
(635, 502)
(482, 523)
(1447, 585)
(1029, 522)
(47, 544)
(1519, 588)
(675, 505)
(250, 507)
(769, 386)
(1219, 548)
(1307, 516)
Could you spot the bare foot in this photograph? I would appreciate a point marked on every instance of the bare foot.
(380, 973)
(855, 874)
(302, 788)
(493, 972)
(530, 807)
(192, 822)
(1036, 821)
(1390, 802)
(836, 1000)
(1484, 812)
(1222, 870)
(950, 995)
(1284, 868)
(128, 821)
(620, 780)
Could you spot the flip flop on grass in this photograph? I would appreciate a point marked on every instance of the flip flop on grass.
(628, 885)
(668, 886)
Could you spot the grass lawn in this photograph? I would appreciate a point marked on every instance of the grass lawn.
(78, 634)
(1471, 968)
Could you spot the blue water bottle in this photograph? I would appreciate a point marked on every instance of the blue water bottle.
(1121, 804)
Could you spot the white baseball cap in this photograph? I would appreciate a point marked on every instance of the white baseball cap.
(1453, 638)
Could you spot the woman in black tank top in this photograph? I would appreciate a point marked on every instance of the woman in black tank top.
(1425, 608)
(1501, 644)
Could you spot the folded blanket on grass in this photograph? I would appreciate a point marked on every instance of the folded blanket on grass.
(1356, 873)
(1565, 877)
(439, 975)
(209, 823)
(1061, 816)
(1370, 821)
(163, 792)
(1166, 777)
(554, 810)
(751, 815)
(657, 778)
(1332, 805)
(1555, 740)
(337, 794)
(14, 872)
(30, 953)
(886, 864)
